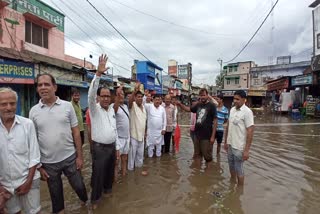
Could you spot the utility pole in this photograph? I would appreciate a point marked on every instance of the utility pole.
(221, 72)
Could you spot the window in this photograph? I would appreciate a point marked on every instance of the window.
(256, 82)
(235, 69)
(230, 69)
(228, 81)
(236, 81)
(37, 35)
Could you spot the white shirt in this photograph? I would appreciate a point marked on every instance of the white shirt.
(19, 152)
(123, 121)
(54, 130)
(157, 123)
(239, 121)
(137, 122)
(103, 122)
(157, 120)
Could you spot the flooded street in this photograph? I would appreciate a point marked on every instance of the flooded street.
(281, 176)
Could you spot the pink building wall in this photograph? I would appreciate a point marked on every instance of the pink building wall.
(13, 36)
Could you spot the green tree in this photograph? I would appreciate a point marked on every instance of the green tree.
(219, 81)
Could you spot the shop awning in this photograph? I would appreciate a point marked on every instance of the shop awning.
(81, 84)
(257, 93)
(278, 84)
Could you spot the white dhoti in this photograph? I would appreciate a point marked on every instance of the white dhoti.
(154, 141)
(156, 123)
(135, 156)
(124, 145)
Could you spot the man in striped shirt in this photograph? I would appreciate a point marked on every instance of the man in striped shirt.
(223, 116)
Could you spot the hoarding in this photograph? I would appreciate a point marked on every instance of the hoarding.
(302, 80)
(183, 72)
(16, 72)
(172, 70)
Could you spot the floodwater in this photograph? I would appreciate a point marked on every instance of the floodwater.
(282, 176)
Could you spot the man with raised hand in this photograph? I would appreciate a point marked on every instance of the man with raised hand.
(205, 127)
(104, 136)
(138, 119)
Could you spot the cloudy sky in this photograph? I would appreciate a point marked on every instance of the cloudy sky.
(200, 33)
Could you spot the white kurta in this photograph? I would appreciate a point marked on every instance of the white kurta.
(157, 122)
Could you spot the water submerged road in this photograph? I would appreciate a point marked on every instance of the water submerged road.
(282, 176)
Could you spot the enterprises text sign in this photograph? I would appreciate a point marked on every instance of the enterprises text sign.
(16, 72)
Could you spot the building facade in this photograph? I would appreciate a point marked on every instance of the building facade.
(270, 80)
(31, 43)
(149, 74)
(236, 77)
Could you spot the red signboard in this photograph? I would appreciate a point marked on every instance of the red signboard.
(173, 70)
(278, 84)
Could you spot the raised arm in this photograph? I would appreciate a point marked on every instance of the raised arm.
(95, 83)
(213, 100)
(133, 95)
(183, 107)
(117, 99)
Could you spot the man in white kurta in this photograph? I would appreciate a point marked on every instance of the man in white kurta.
(156, 127)
(138, 118)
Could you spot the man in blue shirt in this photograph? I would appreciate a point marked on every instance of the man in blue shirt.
(223, 116)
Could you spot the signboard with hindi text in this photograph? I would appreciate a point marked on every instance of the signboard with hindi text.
(302, 80)
(183, 71)
(16, 72)
(41, 10)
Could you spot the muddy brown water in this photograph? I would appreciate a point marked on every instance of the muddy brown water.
(282, 176)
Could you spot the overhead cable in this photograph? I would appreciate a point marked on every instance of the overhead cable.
(246, 45)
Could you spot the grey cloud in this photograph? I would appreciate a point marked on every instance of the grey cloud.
(231, 23)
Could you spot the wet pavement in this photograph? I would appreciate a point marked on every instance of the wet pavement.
(282, 176)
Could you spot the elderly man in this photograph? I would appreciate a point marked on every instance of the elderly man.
(104, 136)
(156, 127)
(19, 158)
(239, 134)
(59, 141)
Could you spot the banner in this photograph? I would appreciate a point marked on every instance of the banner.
(302, 80)
(16, 72)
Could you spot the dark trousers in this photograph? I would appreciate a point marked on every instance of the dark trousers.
(167, 140)
(103, 164)
(69, 169)
(82, 137)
